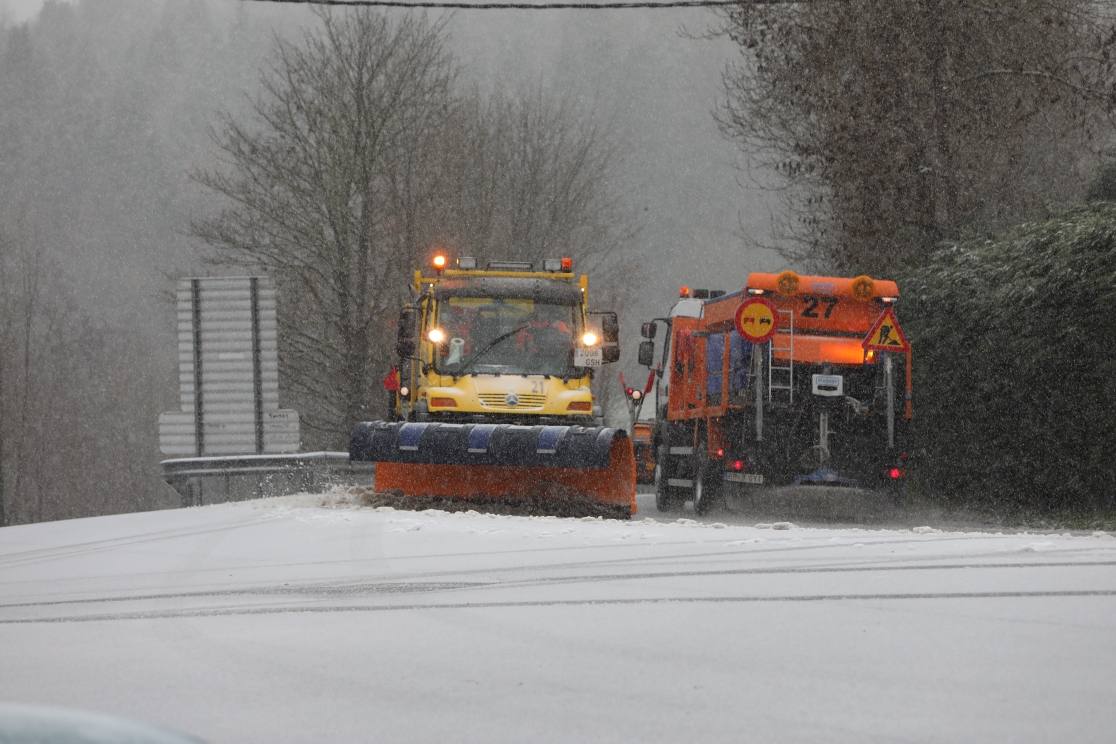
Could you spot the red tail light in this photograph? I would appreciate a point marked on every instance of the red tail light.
(895, 474)
(720, 452)
(738, 465)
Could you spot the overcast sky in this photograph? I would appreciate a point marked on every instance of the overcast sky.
(19, 10)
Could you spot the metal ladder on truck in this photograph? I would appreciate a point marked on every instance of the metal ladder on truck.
(780, 377)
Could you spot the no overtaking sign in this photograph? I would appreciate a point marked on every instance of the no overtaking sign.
(755, 320)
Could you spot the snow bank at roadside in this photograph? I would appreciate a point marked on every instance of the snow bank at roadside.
(340, 501)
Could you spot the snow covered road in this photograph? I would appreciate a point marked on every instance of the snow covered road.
(286, 620)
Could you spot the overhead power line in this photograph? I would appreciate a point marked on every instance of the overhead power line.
(545, 5)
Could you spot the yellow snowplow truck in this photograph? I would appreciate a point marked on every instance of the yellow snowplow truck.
(493, 406)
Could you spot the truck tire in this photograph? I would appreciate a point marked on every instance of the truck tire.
(708, 484)
(666, 496)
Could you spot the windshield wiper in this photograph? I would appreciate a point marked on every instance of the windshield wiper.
(487, 348)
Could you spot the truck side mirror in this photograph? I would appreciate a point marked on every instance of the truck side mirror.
(610, 336)
(646, 353)
(647, 330)
(405, 338)
(610, 327)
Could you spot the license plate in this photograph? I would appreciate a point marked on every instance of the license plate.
(588, 357)
(755, 479)
(831, 386)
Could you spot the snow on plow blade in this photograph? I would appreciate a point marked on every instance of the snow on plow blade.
(568, 470)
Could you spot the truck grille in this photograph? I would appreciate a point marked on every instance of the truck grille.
(500, 400)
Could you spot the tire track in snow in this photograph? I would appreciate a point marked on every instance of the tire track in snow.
(36, 555)
(744, 599)
(917, 539)
(801, 570)
(388, 586)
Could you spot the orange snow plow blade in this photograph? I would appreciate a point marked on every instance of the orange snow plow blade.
(563, 470)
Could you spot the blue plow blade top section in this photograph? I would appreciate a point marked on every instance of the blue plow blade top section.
(578, 447)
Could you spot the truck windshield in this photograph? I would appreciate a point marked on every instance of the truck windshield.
(505, 336)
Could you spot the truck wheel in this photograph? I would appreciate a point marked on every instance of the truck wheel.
(665, 498)
(708, 482)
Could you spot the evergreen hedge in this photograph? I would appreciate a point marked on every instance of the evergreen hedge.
(1015, 367)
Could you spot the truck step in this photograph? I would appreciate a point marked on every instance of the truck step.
(681, 450)
(680, 482)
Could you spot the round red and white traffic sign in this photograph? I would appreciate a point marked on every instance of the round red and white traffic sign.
(755, 319)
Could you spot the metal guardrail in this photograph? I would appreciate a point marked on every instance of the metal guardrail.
(214, 480)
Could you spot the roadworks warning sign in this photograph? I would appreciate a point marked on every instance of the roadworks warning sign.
(886, 335)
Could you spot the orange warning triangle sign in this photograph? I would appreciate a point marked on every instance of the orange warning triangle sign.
(886, 335)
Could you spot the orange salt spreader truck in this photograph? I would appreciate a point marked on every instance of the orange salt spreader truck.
(494, 405)
(792, 380)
